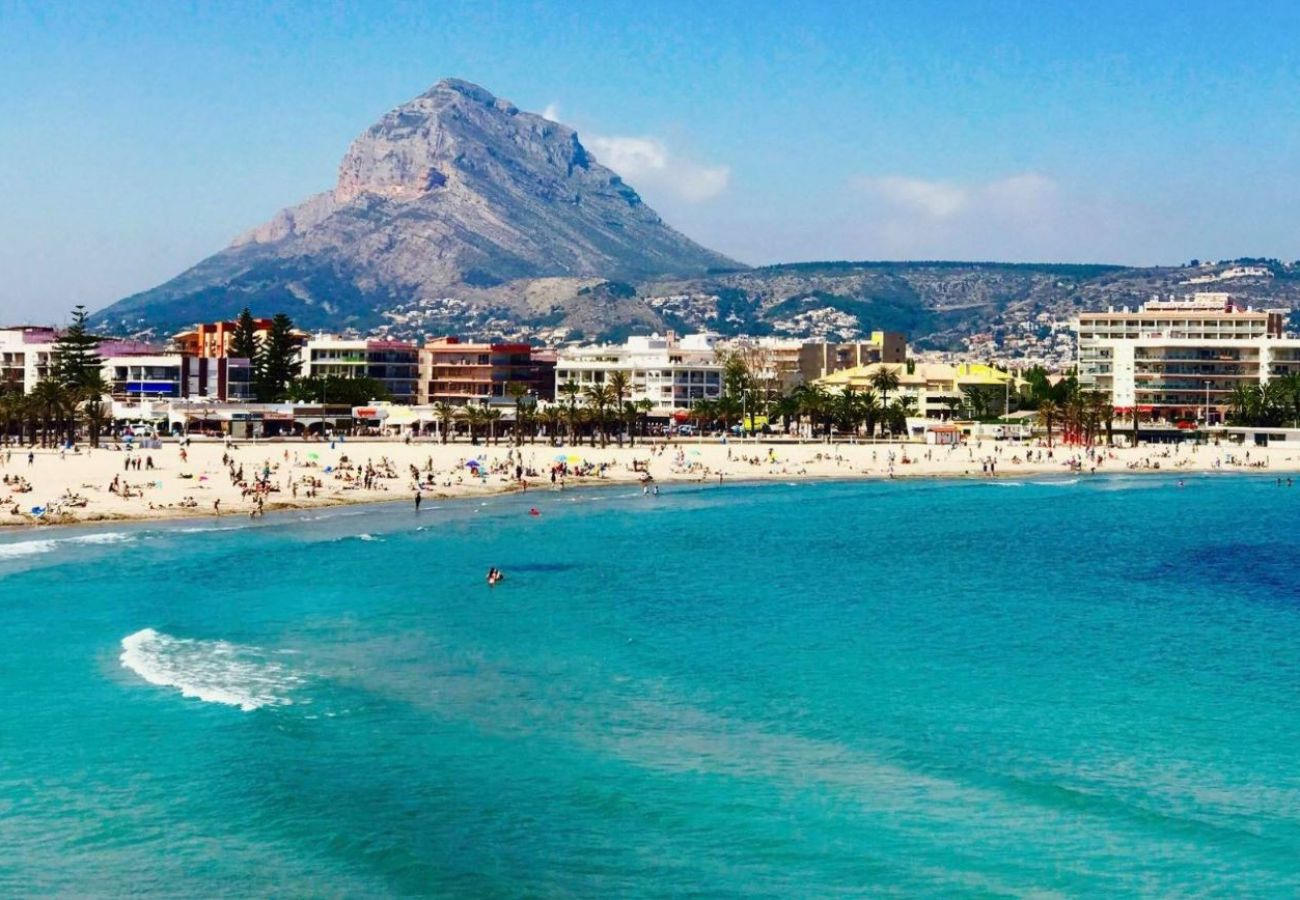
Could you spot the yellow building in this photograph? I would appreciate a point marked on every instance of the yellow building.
(935, 389)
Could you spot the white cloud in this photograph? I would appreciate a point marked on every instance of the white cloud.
(647, 163)
(911, 217)
(552, 112)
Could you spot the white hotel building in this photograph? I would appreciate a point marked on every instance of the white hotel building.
(671, 373)
(1182, 358)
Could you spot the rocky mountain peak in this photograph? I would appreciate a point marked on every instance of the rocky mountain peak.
(455, 188)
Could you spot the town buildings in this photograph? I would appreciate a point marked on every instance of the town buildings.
(935, 390)
(211, 340)
(25, 356)
(672, 373)
(132, 369)
(1181, 359)
(460, 373)
(394, 364)
(781, 364)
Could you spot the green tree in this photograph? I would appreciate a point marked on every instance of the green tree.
(446, 413)
(1048, 415)
(244, 343)
(570, 390)
(94, 410)
(517, 391)
(74, 358)
(337, 389)
(884, 380)
(599, 397)
(280, 364)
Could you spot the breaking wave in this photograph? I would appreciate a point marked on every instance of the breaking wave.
(211, 671)
(21, 549)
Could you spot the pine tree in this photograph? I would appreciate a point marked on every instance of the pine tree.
(75, 361)
(279, 360)
(243, 342)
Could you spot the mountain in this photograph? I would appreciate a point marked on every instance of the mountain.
(456, 190)
(458, 213)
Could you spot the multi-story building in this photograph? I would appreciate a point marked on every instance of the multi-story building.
(212, 339)
(478, 373)
(1182, 358)
(783, 363)
(819, 360)
(135, 375)
(394, 364)
(25, 353)
(935, 390)
(672, 373)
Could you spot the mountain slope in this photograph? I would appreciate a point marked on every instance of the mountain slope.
(456, 189)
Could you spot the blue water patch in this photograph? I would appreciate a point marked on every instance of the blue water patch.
(1077, 686)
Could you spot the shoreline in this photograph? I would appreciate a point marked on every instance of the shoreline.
(185, 483)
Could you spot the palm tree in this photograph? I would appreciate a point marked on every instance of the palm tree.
(475, 418)
(619, 386)
(1290, 385)
(517, 391)
(570, 390)
(846, 411)
(1137, 423)
(897, 413)
(12, 403)
(729, 408)
(51, 401)
(814, 403)
(491, 416)
(446, 413)
(91, 394)
(703, 412)
(552, 417)
(598, 397)
(643, 408)
(1048, 412)
(884, 380)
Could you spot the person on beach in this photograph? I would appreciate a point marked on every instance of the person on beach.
(417, 501)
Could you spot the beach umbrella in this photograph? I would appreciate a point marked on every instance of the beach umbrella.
(313, 456)
(472, 464)
(560, 457)
(574, 460)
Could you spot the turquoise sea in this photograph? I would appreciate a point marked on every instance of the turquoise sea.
(1063, 687)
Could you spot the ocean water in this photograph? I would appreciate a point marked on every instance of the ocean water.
(1056, 687)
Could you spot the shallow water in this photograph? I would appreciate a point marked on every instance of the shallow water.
(1082, 686)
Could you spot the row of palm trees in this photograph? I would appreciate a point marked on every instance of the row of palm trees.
(1083, 416)
(593, 411)
(1269, 405)
(53, 412)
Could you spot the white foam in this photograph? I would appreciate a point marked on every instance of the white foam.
(211, 671)
(367, 537)
(45, 545)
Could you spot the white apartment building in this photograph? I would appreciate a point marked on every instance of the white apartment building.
(672, 373)
(1182, 358)
(395, 364)
(25, 355)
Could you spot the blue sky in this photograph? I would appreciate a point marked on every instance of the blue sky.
(137, 138)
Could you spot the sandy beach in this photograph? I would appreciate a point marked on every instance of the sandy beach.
(211, 478)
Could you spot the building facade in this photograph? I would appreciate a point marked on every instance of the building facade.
(174, 376)
(673, 374)
(212, 339)
(1179, 359)
(935, 390)
(25, 353)
(819, 360)
(464, 374)
(394, 364)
